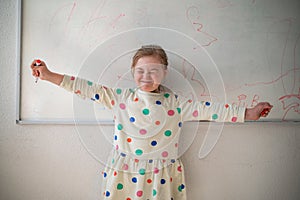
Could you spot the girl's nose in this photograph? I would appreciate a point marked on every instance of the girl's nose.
(146, 74)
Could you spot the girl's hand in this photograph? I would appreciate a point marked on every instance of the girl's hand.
(43, 73)
(260, 110)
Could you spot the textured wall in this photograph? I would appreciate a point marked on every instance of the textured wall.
(250, 161)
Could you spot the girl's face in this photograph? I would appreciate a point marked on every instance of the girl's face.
(148, 73)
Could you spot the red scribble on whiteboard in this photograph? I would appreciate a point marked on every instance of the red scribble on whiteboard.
(272, 81)
(61, 9)
(115, 21)
(192, 77)
(289, 73)
(290, 103)
(193, 15)
(242, 100)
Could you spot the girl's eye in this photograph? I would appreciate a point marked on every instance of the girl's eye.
(139, 71)
(154, 71)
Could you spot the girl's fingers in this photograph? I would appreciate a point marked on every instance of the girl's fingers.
(266, 108)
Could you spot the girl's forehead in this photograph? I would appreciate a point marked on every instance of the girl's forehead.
(149, 66)
(148, 60)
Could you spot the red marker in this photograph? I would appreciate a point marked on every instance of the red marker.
(265, 111)
(37, 63)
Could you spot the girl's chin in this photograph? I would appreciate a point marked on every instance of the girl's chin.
(148, 88)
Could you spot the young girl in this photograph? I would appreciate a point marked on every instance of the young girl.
(144, 163)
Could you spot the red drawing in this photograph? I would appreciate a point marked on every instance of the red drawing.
(289, 76)
(193, 15)
(63, 8)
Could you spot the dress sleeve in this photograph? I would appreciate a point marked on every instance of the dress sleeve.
(90, 90)
(211, 111)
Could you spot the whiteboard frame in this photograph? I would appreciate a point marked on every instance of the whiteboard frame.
(21, 121)
(19, 60)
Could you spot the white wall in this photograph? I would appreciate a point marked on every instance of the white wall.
(250, 161)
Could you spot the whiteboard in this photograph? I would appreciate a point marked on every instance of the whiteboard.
(239, 52)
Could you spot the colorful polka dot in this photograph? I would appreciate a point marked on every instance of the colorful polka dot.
(164, 154)
(171, 112)
(142, 171)
(156, 170)
(214, 116)
(153, 143)
(125, 167)
(139, 193)
(122, 106)
(138, 152)
(72, 78)
(120, 186)
(179, 169)
(120, 127)
(134, 180)
(157, 123)
(178, 110)
(158, 102)
(234, 119)
(119, 91)
(123, 154)
(132, 119)
(149, 181)
(90, 83)
(104, 174)
(180, 187)
(146, 111)
(226, 106)
(97, 96)
(180, 124)
(154, 192)
(112, 102)
(207, 103)
(107, 193)
(116, 137)
(166, 95)
(136, 99)
(162, 181)
(168, 133)
(195, 113)
(129, 140)
(143, 131)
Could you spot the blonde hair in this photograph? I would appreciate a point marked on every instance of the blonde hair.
(150, 50)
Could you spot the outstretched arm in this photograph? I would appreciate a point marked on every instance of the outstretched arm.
(262, 109)
(43, 73)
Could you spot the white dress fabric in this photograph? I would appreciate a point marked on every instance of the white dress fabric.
(144, 162)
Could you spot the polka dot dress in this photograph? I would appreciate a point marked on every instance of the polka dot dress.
(144, 162)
